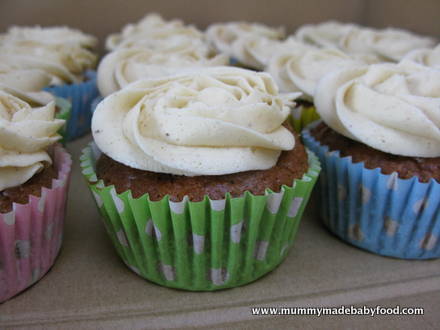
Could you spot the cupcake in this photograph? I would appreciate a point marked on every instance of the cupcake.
(155, 33)
(125, 65)
(379, 145)
(248, 44)
(301, 68)
(66, 56)
(34, 174)
(200, 185)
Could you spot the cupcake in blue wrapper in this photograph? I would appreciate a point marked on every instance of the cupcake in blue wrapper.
(67, 59)
(379, 147)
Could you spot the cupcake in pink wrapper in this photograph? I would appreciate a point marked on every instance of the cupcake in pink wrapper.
(34, 177)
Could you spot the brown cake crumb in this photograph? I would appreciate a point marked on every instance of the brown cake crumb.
(291, 165)
(406, 167)
(33, 186)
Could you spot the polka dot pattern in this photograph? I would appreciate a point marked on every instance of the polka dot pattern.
(182, 244)
(378, 212)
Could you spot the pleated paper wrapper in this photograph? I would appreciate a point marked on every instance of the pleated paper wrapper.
(206, 245)
(31, 234)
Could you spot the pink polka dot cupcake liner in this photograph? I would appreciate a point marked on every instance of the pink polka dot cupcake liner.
(31, 234)
(377, 212)
(201, 246)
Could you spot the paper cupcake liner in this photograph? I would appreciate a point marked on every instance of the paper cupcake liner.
(301, 116)
(65, 108)
(81, 96)
(207, 245)
(377, 212)
(31, 234)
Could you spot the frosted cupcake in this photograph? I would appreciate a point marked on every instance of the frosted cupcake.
(34, 174)
(66, 56)
(200, 185)
(248, 44)
(380, 150)
(300, 69)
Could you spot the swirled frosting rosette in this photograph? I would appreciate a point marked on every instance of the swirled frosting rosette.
(300, 69)
(391, 44)
(210, 121)
(125, 65)
(425, 56)
(25, 134)
(326, 34)
(249, 43)
(50, 36)
(26, 84)
(59, 51)
(393, 108)
(155, 33)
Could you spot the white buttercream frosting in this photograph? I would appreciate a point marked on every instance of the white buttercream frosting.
(61, 52)
(25, 134)
(155, 33)
(27, 85)
(389, 107)
(249, 43)
(425, 56)
(123, 66)
(391, 44)
(208, 121)
(326, 34)
(302, 68)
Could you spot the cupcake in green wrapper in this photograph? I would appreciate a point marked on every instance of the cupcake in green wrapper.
(199, 184)
(299, 69)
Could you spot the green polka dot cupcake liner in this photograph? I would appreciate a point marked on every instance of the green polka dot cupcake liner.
(64, 108)
(374, 211)
(301, 116)
(206, 245)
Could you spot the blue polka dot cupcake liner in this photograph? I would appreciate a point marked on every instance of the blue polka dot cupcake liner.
(81, 96)
(201, 246)
(374, 211)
